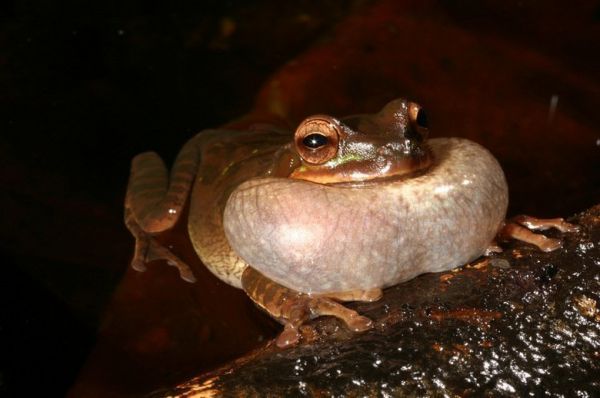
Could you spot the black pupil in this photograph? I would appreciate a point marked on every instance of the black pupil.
(314, 141)
(422, 118)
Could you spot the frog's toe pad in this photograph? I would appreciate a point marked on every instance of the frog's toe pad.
(185, 272)
(138, 265)
(288, 338)
(568, 227)
(188, 277)
(548, 244)
(359, 323)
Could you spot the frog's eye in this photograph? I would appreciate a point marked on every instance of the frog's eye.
(419, 127)
(317, 139)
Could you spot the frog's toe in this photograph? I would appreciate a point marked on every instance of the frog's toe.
(185, 272)
(548, 244)
(568, 227)
(289, 337)
(157, 251)
(138, 265)
(187, 275)
(520, 226)
(351, 318)
(359, 323)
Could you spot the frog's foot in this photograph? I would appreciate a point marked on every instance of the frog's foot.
(353, 320)
(519, 228)
(148, 249)
(304, 308)
(293, 308)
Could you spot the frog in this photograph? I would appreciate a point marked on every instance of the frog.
(334, 212)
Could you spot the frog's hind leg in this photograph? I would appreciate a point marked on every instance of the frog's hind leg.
(520, 228)
(155, 200)
(355, 295)
(293, 308)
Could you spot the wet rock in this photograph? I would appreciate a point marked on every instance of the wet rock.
(517, 323)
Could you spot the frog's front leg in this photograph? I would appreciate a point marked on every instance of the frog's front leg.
(154, 202)
(149, 249)
(293, 308)
(519, 228)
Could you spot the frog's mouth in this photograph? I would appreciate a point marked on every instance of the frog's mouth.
(360, 171)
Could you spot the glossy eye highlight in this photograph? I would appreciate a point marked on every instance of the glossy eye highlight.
(314, 141)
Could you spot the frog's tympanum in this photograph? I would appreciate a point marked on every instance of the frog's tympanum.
(336, 212)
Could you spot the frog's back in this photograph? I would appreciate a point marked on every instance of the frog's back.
(228, 158)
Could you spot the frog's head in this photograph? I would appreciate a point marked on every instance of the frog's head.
(390, 143)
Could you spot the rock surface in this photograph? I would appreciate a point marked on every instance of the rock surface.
(517, 323)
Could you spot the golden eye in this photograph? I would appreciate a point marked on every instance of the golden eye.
(317, 139)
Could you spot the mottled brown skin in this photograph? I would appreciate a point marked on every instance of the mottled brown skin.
(346, 208)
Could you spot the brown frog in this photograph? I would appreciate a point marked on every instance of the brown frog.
(340, 211)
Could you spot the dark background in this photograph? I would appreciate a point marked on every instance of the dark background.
(84, 86)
